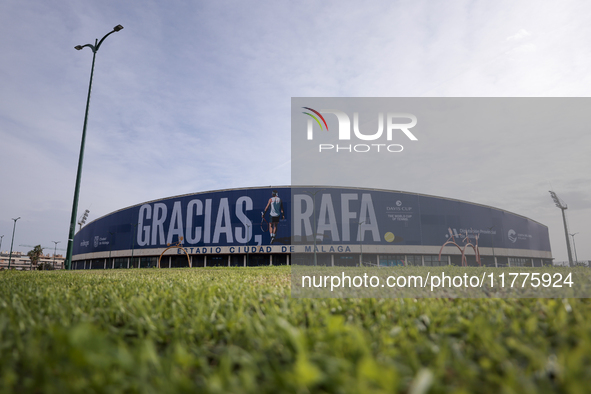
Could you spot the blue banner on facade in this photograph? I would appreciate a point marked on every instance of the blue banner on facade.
(285, 216)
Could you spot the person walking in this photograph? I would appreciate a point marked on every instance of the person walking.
(275, 205)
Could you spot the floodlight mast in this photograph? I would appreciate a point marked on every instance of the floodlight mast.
(575, 248)
(563, 207)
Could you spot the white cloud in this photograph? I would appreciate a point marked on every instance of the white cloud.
(520, 35)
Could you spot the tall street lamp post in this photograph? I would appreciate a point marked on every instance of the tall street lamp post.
(54, 251)
(94, 49)
(12, 242)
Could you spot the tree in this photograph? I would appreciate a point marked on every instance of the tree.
(35, 255)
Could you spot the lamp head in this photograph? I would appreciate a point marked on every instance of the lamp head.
(557, 200)
(78, 47)
(117, 28)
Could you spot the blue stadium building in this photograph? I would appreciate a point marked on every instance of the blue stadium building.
(344, 226)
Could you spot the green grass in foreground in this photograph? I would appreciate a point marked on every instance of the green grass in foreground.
(237, 330)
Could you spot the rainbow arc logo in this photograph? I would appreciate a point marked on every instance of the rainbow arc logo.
(315, 118)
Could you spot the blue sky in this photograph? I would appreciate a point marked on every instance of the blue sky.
(195, 96)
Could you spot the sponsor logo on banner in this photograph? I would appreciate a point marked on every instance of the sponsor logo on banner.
(399, 212)
(512, 235)
(98, 241)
